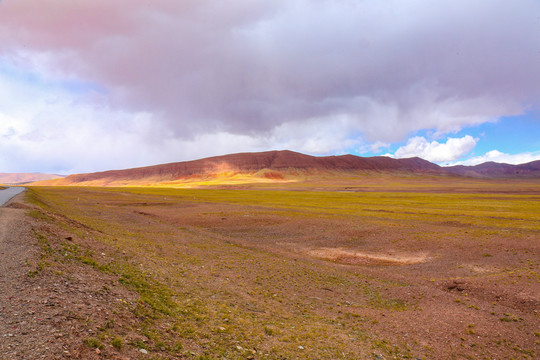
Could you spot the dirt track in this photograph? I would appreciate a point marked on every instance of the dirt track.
(45, 314)
(25, 329)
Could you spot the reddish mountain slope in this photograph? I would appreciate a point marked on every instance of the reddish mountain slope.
(277, 161)
(283, 165)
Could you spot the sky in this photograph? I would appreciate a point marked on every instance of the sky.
(93, 85)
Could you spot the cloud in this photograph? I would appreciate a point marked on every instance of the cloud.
(252, 66)
(500, 157)
(318, 76)
(76, 147)
(453, 149)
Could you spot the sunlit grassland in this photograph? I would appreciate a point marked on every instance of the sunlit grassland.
(212, 289)
(228, 299)
(499, 210)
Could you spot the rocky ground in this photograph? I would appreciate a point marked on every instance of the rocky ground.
(51, 313)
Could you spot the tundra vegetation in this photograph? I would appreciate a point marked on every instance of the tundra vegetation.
(390, 270)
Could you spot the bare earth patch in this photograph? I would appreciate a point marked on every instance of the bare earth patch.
(352, 257)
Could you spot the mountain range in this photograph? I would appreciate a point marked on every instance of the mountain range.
(284, 164)
(24, 178)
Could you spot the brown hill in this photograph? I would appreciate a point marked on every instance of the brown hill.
(23, 178)
(284, 166)
(497, 170)
(273, 165)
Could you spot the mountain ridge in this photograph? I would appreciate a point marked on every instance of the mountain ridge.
(283, 160)
(24, 178)
(492, 168)
(278, 164)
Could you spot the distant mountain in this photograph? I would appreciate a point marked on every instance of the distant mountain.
(23, 178)
(271, 165)
(283, 165)
(498, 170)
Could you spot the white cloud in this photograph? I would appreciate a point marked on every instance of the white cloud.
(500, 157)
(453, 149)
(48, 128)
(317, 136)
(375, 147)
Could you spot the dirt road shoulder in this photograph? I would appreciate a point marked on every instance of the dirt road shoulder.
(48, 309)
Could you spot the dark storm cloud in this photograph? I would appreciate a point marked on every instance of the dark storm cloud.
(384, 68)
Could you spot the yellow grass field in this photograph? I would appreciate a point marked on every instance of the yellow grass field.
(384, 269)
